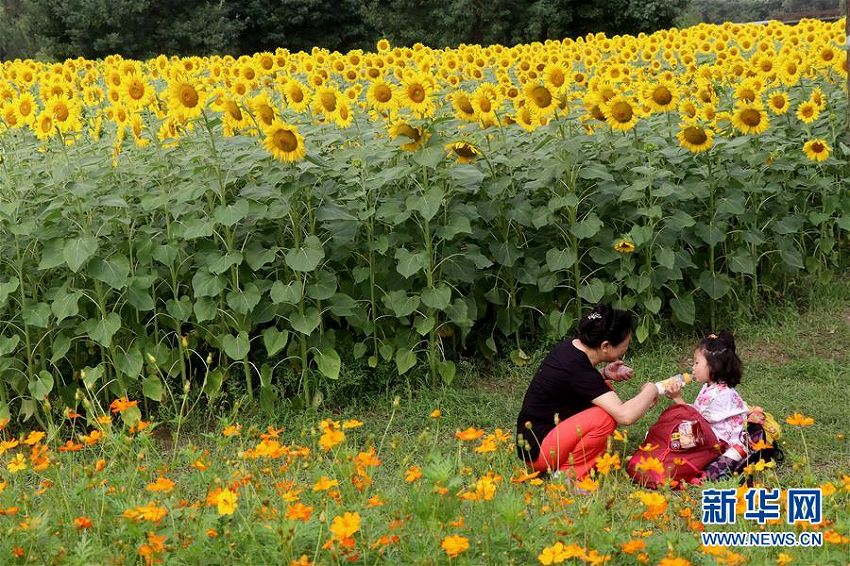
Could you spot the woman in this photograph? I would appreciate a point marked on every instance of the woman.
(570, 408)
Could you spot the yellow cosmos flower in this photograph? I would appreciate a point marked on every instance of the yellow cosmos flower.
(817, 150)
(226, 501)
(284, 142)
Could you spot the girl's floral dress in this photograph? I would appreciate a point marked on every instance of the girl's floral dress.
(727, 413)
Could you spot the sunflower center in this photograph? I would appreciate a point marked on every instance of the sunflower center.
(778, 102)
(817, 147)
(622, 112)
(464, 105)
(485, 105)
(751, 117)
(416, 93)
(285, 140)
(383, 93)
(808, 111)
(328, 100)
(465, 150)
(188, 96)
(662, 95)
(25, 108)
(60, 112)
(296, 95)
(233, 110)
(265, 113)
(249, 74)
(557, 77)
(695, 135)
(827, 55)
(136, 91)
(410, 132)
(46, 124)
(542, 97)
(748, 94)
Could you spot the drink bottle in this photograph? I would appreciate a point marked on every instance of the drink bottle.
(683, 378)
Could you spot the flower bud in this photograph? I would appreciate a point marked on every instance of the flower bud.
(186, 386)
(151, 359)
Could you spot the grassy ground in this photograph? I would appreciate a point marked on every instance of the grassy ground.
(433, 498)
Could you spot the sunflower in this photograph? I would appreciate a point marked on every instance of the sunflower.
(405, 131)
(463, 106)
(554, 76)
(749, 118)
(540, 98)
(527, 118)
(620, 113)
(694, 137)
(381, 95)
(296, 94)
(464, 151)
(343, 117)
(624, 246)
(185, 99)
(816, 150)
(661, 97)
(10, 116)
(137, 93)
(778, 103)
(808, 112)
(262, 108)
(27, 107)
(284, 142)
(818, 98)
(66, 113)
(485, 102)
(326, 101)
(416, 94)
(233, 117)
(43, 126)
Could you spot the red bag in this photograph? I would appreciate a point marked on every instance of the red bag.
(682, 441)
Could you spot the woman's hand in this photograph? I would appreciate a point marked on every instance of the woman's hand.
(617, 371)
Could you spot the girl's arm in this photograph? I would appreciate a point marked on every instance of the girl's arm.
(626, 413)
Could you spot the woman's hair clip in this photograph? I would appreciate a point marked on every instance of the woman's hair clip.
(713, 336)
(594, 316)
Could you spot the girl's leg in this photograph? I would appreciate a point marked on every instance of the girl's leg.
(575, 443)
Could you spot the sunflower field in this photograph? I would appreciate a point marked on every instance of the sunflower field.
(278, 218)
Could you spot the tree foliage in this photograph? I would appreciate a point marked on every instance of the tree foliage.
(144, 28)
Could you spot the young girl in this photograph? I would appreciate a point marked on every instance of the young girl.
(718, 367)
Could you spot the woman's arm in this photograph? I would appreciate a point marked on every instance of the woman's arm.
(628, 412)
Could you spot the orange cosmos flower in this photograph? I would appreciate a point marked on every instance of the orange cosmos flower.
(436, 414)
(375, 501)
(122, 404)
(104, 420)
(92, 438)
(633, 546)
(588, 484)
(3, 423)
(299, 512)
(324, 484)
(469, 434)
(82, 523)
(100, 465)
(413, 474)
(34, 438)
(72, 414)
(798, 419)
(162, 484)
(455, 545)
(71, 446)
(232, 430)
(151, 513)
(351, 423)
(607, 462)
(345, 525)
